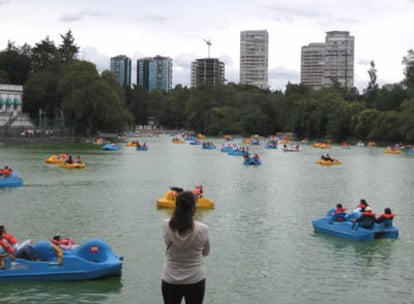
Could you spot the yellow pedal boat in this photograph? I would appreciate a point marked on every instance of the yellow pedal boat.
(328, 162)
(54, 159)
(392, 151)
(73, 166)
(168, 201)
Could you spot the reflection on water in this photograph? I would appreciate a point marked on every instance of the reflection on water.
(263, 248)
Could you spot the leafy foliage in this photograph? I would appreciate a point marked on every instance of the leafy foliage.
(55, 81)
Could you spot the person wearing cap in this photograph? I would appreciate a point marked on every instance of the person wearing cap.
(387, 215)
(367, 218)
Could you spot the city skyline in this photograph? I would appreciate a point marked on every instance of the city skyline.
(382, 31)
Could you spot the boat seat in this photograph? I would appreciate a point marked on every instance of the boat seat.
(338, 217)
(387, 223)
(367, 224)
(44, 251)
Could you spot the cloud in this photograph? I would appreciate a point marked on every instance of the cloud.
(155, 17)
(279, 77)
(101, 61)
(4, 2)
(79, 16)
(183, 60)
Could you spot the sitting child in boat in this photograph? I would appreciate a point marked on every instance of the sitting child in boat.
(339, 213)
(387, 215)
(63, 243)
(367, 218)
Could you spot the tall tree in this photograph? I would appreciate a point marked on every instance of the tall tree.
(68, 50)
(371, 91)
(89, 102)
(408, 61)
(15, 64)
(45, 56)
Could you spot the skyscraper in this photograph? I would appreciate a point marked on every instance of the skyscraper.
(121, 68)
(339, 59)
(313, 65)
(155, 73)
(209, 71)
(254, 53)
(324, 64)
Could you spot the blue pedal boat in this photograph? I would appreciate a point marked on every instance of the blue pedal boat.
(110, 147)
(342, 225)
(90, 260)
(12, 181)
(252, 162)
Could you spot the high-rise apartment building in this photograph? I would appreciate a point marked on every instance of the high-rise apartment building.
(313, 65)
(155, 73)
(121, 68)
(209, 71)
(254, 58)
(324, 64)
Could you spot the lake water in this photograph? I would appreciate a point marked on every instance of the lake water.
(263, 248)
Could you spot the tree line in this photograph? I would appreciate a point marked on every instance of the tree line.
(55, 81)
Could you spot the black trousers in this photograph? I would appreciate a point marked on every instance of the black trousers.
(193, 293)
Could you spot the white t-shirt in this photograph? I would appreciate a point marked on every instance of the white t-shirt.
(183, 263)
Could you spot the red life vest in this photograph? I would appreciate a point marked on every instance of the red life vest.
(340, 210)
(8, 247)
(387, 216)
(65, 242)
(368, 213)
(9, 238)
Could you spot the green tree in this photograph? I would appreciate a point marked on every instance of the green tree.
(406, 123)
(15, 64)
(68, 50)
(371, 91)
(89, 102)
(45, 56)
(364, 122)
(408, 62)
(40, 93)
(386, 127)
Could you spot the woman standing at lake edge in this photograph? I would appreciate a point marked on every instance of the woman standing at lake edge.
(187, 241)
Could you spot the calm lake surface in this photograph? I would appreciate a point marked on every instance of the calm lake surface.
(263, 248)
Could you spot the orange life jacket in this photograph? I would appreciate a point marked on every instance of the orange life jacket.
(6, 172)
(64, 242)
(9, 238)
(368, 213)
(387, 216)
(340, 210)
(7, 246)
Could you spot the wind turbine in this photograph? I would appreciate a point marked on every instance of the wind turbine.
(208, 45)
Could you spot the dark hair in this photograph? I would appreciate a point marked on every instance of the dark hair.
(338, 205)
(363, 201)
(182, 219)
(387, 211)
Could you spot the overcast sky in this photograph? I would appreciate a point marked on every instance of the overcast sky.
(383, 31)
